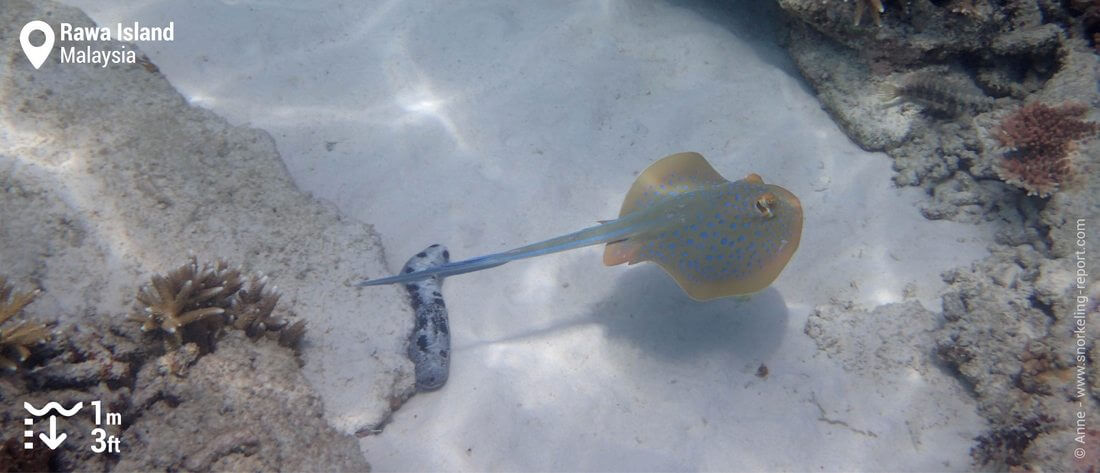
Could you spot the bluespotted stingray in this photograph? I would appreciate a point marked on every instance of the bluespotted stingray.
(716, 238)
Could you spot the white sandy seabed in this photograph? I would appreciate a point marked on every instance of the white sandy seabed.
(484, 125)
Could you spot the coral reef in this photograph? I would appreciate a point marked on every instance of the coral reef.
(193, 304)
(1008, 334)
(1041, 139)
(1007, 329)
(16, 342)
(245, 407)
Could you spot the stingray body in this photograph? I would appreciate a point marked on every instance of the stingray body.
(715, 237)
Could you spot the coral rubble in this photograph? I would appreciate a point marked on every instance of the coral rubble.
(1041, 139)
(16, 342)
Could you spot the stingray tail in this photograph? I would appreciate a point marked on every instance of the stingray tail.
(442, 271)
(615, 230)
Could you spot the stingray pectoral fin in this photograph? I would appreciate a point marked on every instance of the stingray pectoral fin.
(621, 252)
(731, 287)
(670, 176)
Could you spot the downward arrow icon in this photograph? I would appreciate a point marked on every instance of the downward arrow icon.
(53, 440)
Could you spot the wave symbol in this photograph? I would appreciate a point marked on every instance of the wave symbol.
(52, 405)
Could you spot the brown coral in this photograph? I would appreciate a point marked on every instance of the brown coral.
(251, 308)
(15, 343)
(876, 8)
(188, 302)
(1041, 139)
(194, 304)
(291, 336)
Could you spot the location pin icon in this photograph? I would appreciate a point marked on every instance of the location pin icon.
(37, 54)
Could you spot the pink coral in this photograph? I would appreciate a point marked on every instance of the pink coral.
(1041, 138)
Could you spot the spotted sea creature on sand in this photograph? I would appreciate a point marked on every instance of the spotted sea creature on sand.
(430, 341)
(715, 237)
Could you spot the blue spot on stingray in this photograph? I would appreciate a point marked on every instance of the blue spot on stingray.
(740, 238)
(725, 241)
(702, 234)
(690, 241)
(672, 246)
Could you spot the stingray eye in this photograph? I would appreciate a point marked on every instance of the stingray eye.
(764, 205)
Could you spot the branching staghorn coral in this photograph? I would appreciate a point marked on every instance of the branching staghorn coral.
(15, 343)
(291, 335)
(188, 302)
(193, 305)
(251, 308)
(1040, 139)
